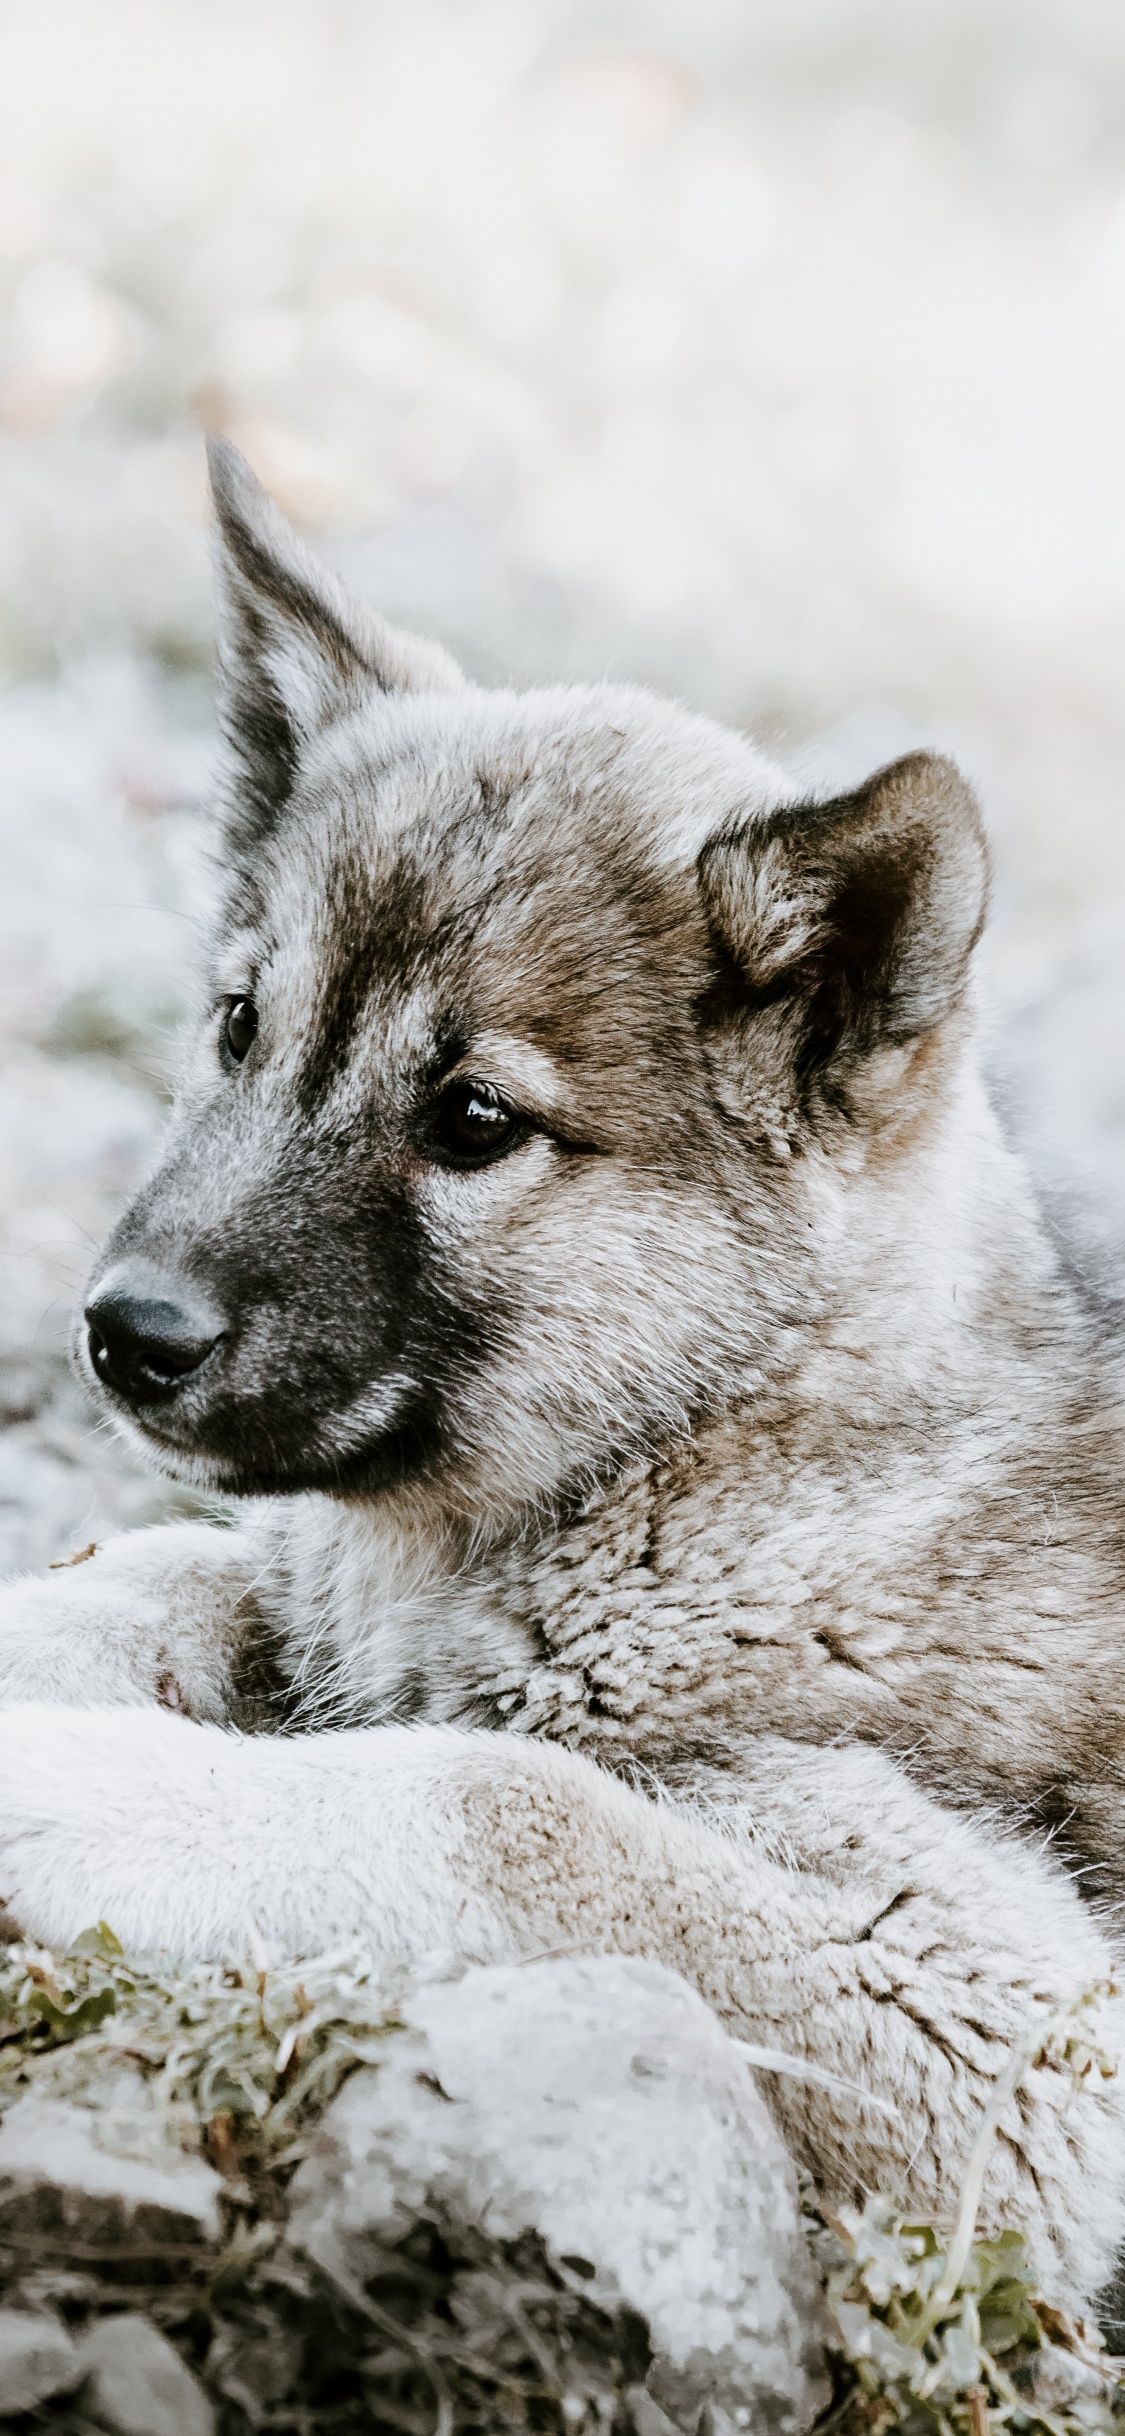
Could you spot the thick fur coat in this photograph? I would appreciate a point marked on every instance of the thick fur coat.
(680, 1479)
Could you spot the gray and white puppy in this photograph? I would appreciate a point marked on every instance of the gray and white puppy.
(685, 1493)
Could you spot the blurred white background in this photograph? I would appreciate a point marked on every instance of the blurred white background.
(771, 351)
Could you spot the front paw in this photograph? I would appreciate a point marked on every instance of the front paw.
(49, 1822)
(86, 1801)
(175, 1834)
(209, 1844)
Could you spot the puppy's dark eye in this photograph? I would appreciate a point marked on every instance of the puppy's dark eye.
(474, 1124)
(239, 1026)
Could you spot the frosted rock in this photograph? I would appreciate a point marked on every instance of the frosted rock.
(137, 2385)
(101, 2175)
(37, 2359)
(598, 2103)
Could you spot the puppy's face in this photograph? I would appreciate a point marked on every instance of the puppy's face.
(447, 1166)
(487, 1162)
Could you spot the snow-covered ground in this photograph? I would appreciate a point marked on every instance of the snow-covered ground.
(772, 353)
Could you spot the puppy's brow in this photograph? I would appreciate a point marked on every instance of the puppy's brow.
(368, 933)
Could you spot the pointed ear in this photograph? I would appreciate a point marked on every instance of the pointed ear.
(850, 924)
(295, 650)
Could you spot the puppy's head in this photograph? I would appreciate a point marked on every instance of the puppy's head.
(540, 1035)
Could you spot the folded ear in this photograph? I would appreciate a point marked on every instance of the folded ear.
(850, 924)
(295, 649)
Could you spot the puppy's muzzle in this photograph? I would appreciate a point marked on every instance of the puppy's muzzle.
(147, 1333)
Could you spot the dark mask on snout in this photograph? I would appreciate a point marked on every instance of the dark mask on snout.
(297, 1339)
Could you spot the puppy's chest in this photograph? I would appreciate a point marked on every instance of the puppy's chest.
(680, 1616)
(785, 1588)
(668, 1629)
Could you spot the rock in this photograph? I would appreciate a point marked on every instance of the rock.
(37, 2359)
(1061, 2378)
(137, 2385)
(598, 2103)
(98, 2176)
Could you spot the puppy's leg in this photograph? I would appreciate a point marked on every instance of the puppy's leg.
(166, 1615)
(911, 1964)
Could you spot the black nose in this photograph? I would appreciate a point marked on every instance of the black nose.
(147, 1332)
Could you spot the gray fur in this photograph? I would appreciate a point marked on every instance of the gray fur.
(695, 1531)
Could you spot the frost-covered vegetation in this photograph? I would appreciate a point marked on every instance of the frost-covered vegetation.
(453, 2330)
(237, 2061)
(938, 2331)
